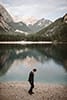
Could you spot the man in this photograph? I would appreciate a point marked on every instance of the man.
(31, 80)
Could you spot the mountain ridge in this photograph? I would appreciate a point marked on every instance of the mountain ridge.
(42, 30)
(57, 31)
(7, 22)
(40, 24)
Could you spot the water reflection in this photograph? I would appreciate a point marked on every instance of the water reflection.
(47, 58)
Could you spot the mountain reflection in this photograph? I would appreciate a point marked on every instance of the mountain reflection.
(40, 53)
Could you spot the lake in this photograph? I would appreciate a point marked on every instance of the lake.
(16, 61)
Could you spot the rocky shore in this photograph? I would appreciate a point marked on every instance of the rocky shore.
(19, 91)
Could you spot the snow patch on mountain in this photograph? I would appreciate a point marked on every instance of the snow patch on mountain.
(26, 33)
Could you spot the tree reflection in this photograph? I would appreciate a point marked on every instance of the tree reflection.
(9, 53)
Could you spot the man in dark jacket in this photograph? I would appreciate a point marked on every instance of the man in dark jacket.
(31, 81)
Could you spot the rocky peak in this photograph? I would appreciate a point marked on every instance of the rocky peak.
(5, 19)
(4, 13)
(65, 18)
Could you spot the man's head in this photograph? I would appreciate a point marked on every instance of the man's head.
(34, 70)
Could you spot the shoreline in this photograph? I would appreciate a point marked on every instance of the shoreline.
(42, 91)
(32, 42)
(25, 42)
(36, 82)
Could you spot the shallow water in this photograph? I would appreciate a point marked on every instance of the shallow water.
(16, 61)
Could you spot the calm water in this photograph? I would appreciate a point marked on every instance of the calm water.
(16, 61)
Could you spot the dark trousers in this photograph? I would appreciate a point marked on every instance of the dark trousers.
(31, 88)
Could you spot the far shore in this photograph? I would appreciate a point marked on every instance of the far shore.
(32, 42)
(19, 91)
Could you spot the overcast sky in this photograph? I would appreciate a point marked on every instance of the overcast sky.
(49, 9)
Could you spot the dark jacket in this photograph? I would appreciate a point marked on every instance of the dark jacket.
(31, 77)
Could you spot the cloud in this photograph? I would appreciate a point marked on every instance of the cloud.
(33, 2)
(38, 8)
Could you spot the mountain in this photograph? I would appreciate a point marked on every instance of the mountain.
(8, 28)
(5, 19)
(33, 23)
(57, 31)
(20, 26)
(7, 22)
(39, 25)
(42, 29)
(26, 19)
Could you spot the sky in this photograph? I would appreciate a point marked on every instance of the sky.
(48, 9)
